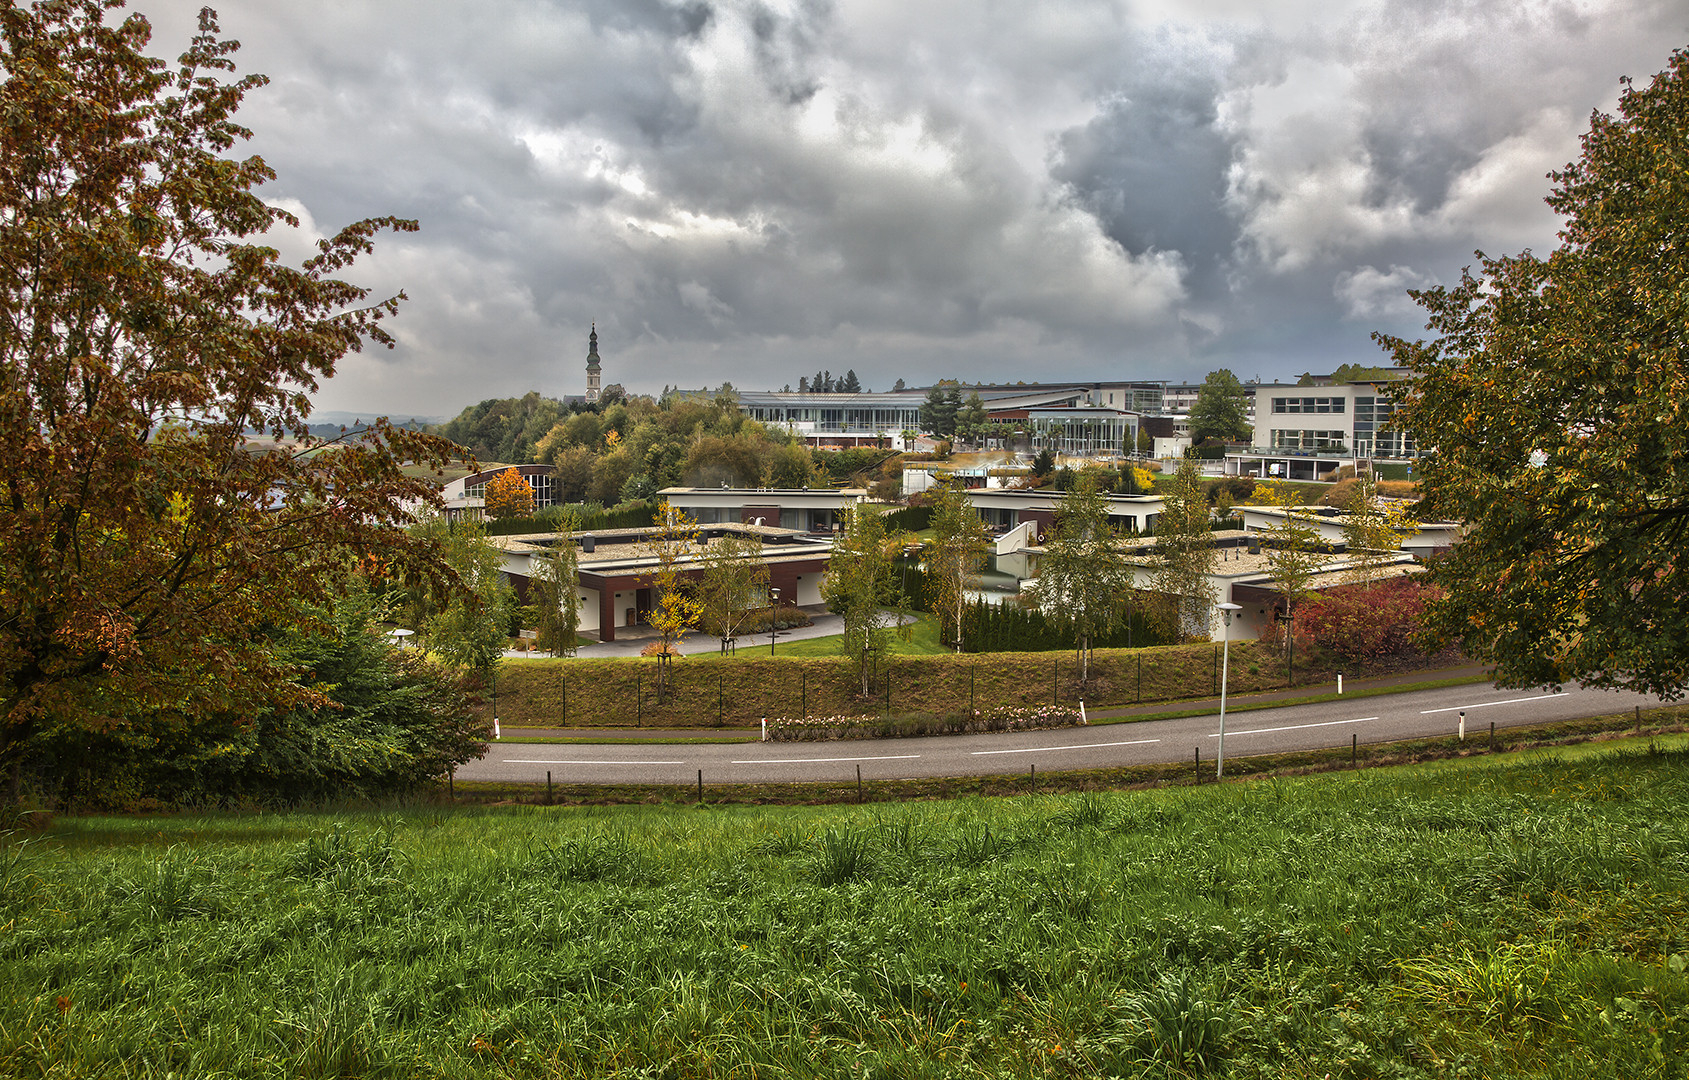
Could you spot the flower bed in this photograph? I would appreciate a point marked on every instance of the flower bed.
(814, 728)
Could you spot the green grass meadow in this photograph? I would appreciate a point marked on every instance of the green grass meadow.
(1507, 916)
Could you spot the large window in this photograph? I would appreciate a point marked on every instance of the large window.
(1309, 405)
(1291, 439)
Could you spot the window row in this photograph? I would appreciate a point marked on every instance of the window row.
(1309, 405)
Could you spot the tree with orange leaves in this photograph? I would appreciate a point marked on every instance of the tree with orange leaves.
(148, 554)
(508, 496)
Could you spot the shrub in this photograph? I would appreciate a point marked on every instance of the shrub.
(870, 726)
(1366, 622)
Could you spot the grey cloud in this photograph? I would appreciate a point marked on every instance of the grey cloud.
(751, 189)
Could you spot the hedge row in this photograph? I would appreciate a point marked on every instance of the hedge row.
(707, 689)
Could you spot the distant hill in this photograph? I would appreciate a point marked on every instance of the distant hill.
(326, 425)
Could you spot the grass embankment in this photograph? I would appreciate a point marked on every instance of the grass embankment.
(1505, 917)
(743, 689)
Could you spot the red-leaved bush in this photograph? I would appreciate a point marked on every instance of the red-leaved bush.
(1365, 622)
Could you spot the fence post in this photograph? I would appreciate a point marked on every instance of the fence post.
(1140, 700)
(803, 682)
(565, 701)
(720, 695)
(548, 787)
(700, 787)
(638, 698)
(970, 692)
(1055, 682)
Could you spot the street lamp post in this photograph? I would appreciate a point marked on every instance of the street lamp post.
(773, 615)
(1226, 612)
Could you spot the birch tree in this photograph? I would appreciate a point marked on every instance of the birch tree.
(862, 587)
(1082, 574)
(734, 580)
(954, 558)
(675, 610)
(1184, 550)
(557, 601)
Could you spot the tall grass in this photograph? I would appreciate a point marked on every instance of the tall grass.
(1491, 919)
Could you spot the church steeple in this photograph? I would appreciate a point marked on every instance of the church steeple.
(592, 365)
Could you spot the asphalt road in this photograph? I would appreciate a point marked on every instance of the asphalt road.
(1386, 718)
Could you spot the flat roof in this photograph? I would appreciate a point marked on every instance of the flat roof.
(629, 547)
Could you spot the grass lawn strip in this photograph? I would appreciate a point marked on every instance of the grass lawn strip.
(1508, 915)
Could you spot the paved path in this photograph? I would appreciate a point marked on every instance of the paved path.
(1414, 714)
(631, 639)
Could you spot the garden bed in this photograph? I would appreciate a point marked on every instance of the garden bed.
(1013, 718)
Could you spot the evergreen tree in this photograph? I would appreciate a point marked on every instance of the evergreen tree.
(1221, 410)
(850, 384)
(971, 420)
(938, 412)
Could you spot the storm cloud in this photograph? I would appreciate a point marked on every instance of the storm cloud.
(750, 190)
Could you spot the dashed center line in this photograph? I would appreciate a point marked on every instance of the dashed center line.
(1487, 704)
(558, 761)
(1081, 746)
(813, 760)
(1294, 727)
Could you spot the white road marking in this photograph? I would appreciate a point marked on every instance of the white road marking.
(555, 761)
(1082, 746)
(813, 760)
(1293, 727)
(1485, 704)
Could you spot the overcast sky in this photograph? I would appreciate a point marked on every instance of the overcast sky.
(752, 191)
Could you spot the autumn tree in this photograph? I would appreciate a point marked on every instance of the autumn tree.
(862, 587)
(1555, 394)
(508, 496)
(1221, 410)
(734, 581)
(954, 558)
(674, 610)
(145, 330)
(1184, 551)
(1082, 574)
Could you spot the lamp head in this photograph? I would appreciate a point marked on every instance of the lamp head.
(1227, 610)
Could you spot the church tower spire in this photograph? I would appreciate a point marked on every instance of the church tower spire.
(592, 365)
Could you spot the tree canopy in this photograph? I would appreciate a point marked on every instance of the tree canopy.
(1082, 574)
(508, 495)
(145, 334)
(1556, 395)
(862, 586)
(954, 558)
(1221, 410)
